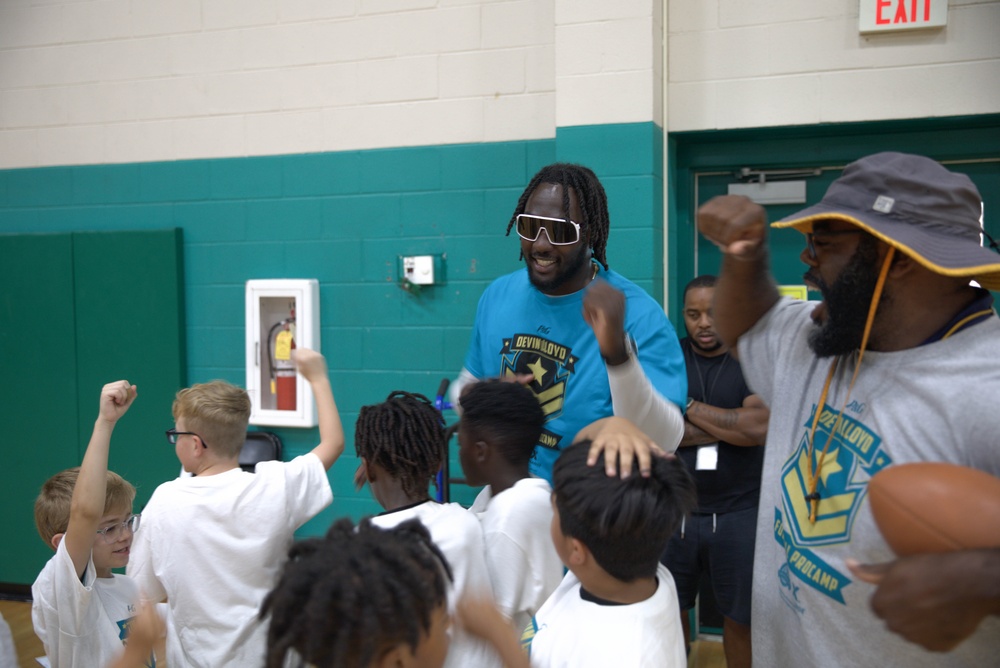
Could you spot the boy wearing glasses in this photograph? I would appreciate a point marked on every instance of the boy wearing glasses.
(213, 544)
(588, 342)
(81, 610)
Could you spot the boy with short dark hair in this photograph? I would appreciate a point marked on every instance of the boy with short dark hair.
(81, 611)
(214, 543)
(501, 423)
(610, 533)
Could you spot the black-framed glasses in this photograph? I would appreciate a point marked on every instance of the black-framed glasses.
(560, 231)
(172, 435)
(811, 243)
(116, 532)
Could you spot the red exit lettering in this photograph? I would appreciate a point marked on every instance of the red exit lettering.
(901, 15)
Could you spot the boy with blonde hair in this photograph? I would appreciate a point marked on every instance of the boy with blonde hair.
(82, 611)
(214, 543)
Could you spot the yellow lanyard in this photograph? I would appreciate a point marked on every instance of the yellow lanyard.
(815, 470)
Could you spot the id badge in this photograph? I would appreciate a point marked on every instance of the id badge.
(708, 457)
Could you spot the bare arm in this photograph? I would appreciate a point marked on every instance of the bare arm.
(633, 396)
(695, 435)
(87, 505)
(745, 290)
(312, 366)
(480, 618)
(737, 426)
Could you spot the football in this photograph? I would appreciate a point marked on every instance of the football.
(935, 507)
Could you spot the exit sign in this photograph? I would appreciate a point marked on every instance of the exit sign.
(882, 15)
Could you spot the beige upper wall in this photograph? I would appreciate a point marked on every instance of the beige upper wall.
(98, 81)
(95, 81)
(736, 64)
(131, 80)
(609, 59)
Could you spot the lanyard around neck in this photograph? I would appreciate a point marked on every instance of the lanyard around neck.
(815, 470)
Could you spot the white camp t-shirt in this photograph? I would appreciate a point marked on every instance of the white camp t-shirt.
(458, 535)
(213, 546)
(570, 632)
(524, 565)
(81, 622)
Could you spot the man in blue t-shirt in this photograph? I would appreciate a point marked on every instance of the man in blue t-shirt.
(588, 342)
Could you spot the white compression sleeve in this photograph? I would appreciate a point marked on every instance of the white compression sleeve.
(633, 397)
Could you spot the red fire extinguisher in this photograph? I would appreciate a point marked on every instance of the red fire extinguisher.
(281, 343)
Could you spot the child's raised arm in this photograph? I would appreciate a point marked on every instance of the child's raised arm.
(312, 366)
(87, 506)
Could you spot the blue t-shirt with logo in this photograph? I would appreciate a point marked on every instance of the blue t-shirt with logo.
(519, 330)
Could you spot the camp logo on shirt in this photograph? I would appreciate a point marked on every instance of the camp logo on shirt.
(549, 362)
(854, 455)
(527, 636)
(124, 629)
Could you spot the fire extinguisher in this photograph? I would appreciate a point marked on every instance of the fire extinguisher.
(281, 343)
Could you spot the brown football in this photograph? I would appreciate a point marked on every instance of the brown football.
(935, 507)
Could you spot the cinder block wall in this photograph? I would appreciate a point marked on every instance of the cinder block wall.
(112, 81)
(737, 64)
(295, 139)
(343, 218)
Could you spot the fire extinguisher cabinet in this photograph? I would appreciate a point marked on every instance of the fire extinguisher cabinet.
(282, 314)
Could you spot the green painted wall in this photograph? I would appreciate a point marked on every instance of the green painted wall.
(343, 218)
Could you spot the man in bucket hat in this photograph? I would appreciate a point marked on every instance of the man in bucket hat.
(902, 359)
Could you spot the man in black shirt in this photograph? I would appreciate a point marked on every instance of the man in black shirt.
(725, 427)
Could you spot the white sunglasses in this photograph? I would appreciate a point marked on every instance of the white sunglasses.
(560, 231)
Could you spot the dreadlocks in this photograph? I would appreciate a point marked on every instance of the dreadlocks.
(590, 194)
(404, 435)
(348, 598)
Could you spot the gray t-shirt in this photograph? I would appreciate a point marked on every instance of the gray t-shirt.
(937, 402)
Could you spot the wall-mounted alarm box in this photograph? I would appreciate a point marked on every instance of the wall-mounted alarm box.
(281, 315)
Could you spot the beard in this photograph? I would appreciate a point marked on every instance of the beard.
(567, 272)
(705, 350)
(847, 303)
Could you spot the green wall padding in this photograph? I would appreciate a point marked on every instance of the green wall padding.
(80, 310)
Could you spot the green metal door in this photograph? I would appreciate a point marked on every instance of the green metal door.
(786, 245)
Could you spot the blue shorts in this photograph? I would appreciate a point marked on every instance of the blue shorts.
(725, 554)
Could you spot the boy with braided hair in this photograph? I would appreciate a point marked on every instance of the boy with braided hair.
(610, 533)
(401, 444)
(213, 544)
